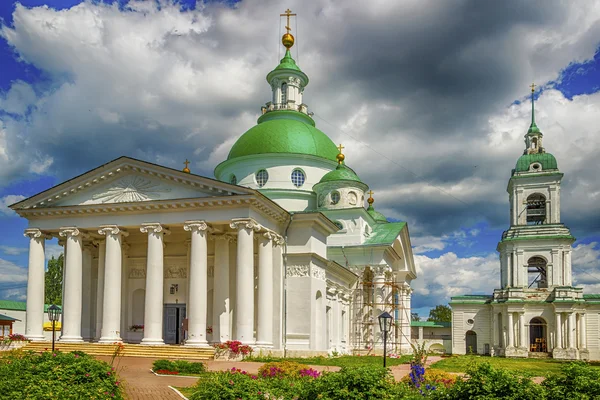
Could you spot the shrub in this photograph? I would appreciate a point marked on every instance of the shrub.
(485, 382)
(351, 383)
(580, 381)
(234, 347)
(179, 366)
(434, 377)
(47, 375)
(281, 369)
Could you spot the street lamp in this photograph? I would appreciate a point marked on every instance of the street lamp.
(53, 315)
(385, 324)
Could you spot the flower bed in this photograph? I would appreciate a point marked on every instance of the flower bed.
(231, 350)
(46, 375)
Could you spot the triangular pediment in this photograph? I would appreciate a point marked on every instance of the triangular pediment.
(126, 180)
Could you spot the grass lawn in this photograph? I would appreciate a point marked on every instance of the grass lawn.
(342, 361)
(532, 366)
(186, 391)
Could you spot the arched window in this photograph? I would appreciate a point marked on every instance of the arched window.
(534, 143)
(284, 94)
(536, 272)
(298, 177)
(536, 209)
(233, 180)
(537, 336)
(262, 177)
(335, 197)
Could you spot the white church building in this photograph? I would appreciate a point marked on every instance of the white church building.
(278, 251)
(537, 311)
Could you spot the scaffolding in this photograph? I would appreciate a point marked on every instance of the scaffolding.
(370, 298)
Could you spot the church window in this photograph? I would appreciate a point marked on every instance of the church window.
(298, 177)
(233, 180)
(335, 197)
(262, 177)
(536, 209)
(284, 93)
(339, 225)
(536, 272)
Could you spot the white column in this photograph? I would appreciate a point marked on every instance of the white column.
(264, 331)
(111, 313)
(582, 332)
(72, 300)
(244, 300)
(34, 323)
(522, 331)
(558, 335)
(568, 268)
(100, 289)
(221, 304)
(198, 305)
(571, 332)
(86, 301)
(511, 330)
(378, 302)
(153, 307)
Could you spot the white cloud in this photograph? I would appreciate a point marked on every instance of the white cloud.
(13, 251)
(13, 281)
(53, 250)
(7, 201)
(18, 98)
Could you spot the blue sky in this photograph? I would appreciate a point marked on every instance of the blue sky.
(435, 138)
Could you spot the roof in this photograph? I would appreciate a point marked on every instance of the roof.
(431, 324)
(385, 233)
(471, 299)
(287, 62)
(377, 216)
(341, 173)
(283, 135)
(547, 160)
(17, 305)
(7, 318)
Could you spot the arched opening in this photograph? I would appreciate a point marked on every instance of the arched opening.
(283, 94)
(534, 143)
(471, 341)
(536, 272)
(537, 336)
(536, 209)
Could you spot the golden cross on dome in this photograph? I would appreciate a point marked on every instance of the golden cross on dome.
(340, 148)
(532, 87)
(370, 193)
(288, 14)
(186, 169)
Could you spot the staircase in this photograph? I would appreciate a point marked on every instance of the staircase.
(129, 350)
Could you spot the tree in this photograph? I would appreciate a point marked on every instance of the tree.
(440, 313)
(54, 280)
(414, 316)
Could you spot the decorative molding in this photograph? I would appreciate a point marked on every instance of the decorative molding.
(35, 233)
(131, 189)
(71, 231)
(318, 273)
(197, 226)
(245, 223)
(154, 227)
(225, 236)
(380, 269)
(175, 272)
(297, 271)
(137, 273)
(112, 230)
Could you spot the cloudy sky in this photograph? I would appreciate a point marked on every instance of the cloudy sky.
(430, 99)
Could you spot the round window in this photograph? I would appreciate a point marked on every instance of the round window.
(536, 166)
(470, 321)
(335, 197)
(262, 177)
(298, 177)
(233, 180)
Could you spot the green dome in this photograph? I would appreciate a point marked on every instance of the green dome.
(547, 161)
(377, 216)
(341, 173)
(282, 135)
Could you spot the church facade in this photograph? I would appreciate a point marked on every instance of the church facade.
(278, 251)
(536, 311)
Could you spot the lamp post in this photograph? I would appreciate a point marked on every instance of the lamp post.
(53, 315)
(385, 324)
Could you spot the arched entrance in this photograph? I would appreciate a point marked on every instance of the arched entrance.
(537, 336)
(471, 340)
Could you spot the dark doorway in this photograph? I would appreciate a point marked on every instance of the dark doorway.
(537, 336)
(174, 314)
(471, 342)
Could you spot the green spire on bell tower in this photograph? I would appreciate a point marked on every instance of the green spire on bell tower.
(533, 127)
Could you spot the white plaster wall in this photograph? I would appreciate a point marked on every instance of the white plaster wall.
(549, 186)
(481, 316)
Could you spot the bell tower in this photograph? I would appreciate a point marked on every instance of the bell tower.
(535, 252)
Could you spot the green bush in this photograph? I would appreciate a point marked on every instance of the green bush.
(47, 375)
(485, 382)
(352, 383)
(180, 366)
(579, 381)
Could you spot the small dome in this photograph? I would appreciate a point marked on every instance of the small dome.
(377, 216)
(289, 136)
(547, 161)
(341, 173)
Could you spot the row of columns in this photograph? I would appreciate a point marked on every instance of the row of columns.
(108, 308)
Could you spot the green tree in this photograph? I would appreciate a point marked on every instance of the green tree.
(54, 280)
(414, 316)
(440, 313)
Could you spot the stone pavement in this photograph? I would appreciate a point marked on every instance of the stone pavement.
(140, 383)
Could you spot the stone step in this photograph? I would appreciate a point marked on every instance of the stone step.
(129, 350)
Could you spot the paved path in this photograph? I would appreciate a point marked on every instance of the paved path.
(139, 383)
